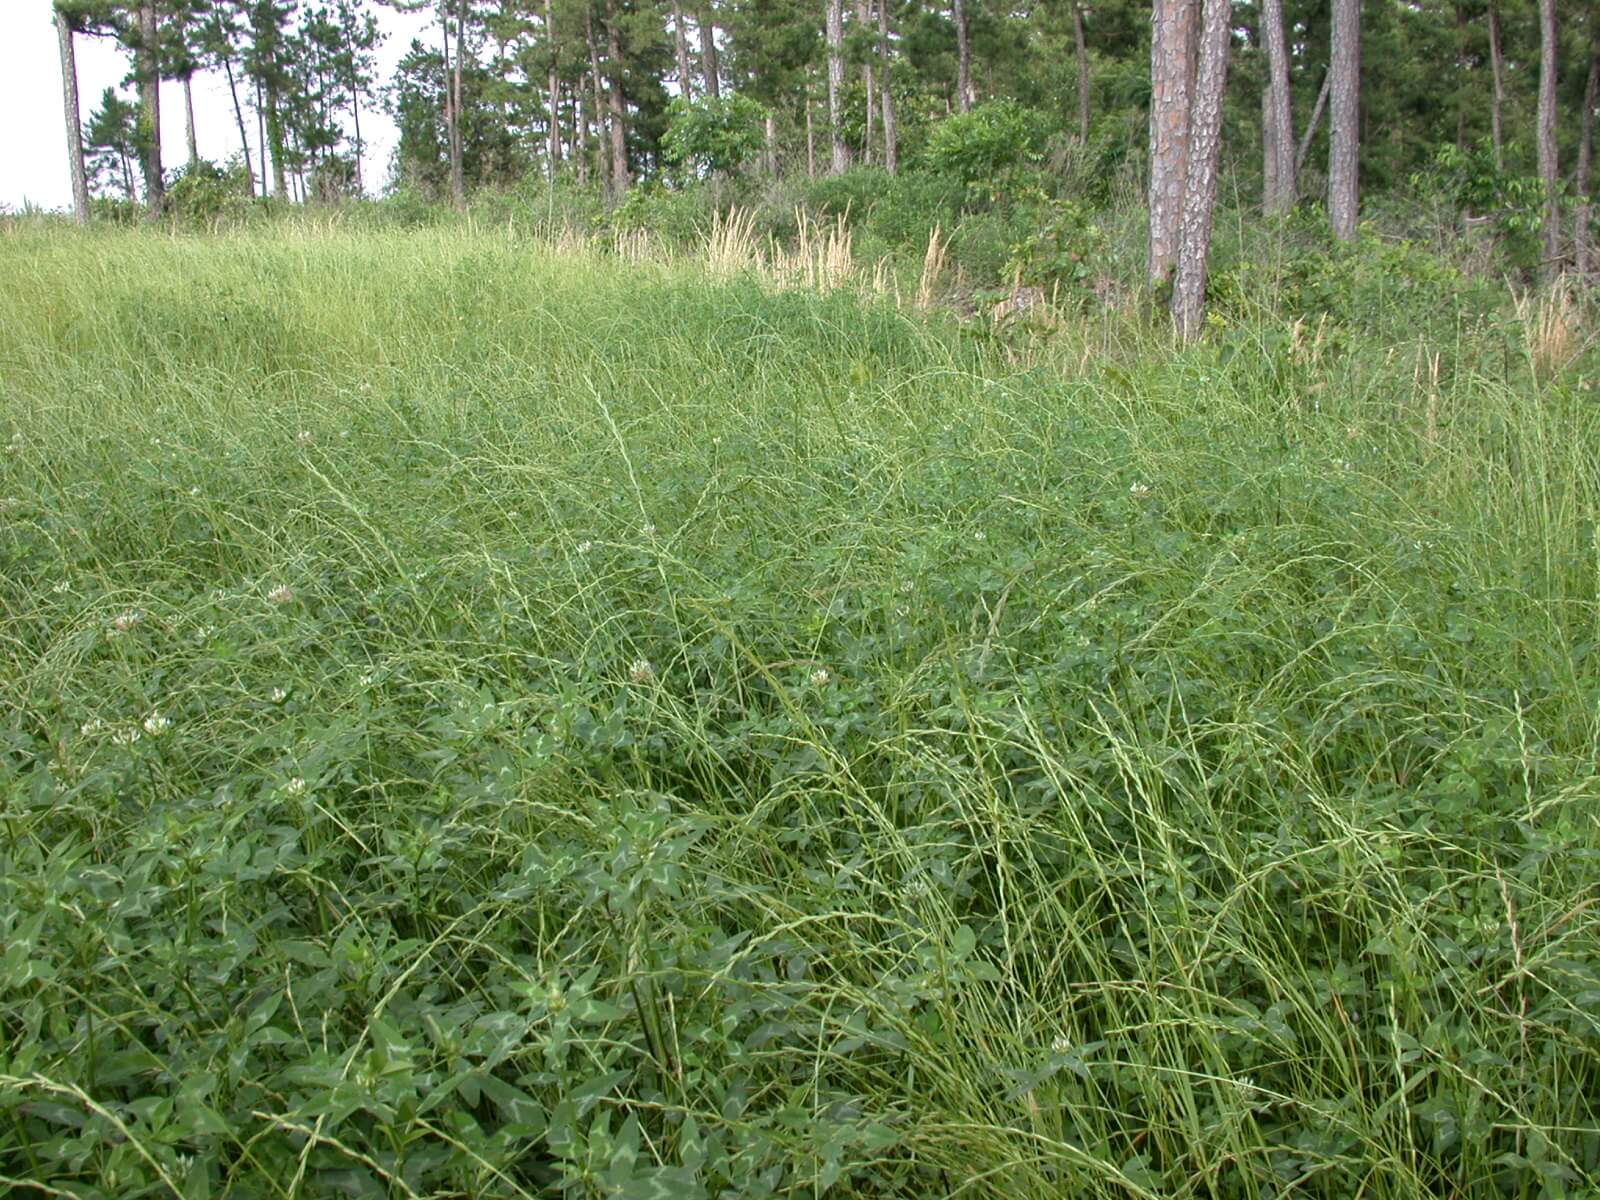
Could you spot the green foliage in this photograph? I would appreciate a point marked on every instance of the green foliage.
(1471, 183)
(1387, 288)
(488, 723)
(994, 149)
(679, 216)
(1065, 254)
(709, 136)
(206, 194)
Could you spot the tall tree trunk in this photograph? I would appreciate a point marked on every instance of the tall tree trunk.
(620, 178)
(1344, 120)
(811, 141)
(1173, 43)
(280, 185)
(1582, 244)
(1269, 150)
(680, 48)
(708, 52)
(238, 115)
(361, 145)
(553, 141)
(1081, 41)
(891, 142)
(841, 152)
(580, 134)
(598, 113)
(458, 177)
(963, 58)
(1317, 110)
(772, 144)
(1549, 164)
(1282, 196)
(1461, 77)
(1200, 188)
(74, 120)
(864, 17)
(149, 72)
(188, 120)
(1497, 63)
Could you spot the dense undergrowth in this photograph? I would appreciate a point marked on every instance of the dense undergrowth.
(483, 721)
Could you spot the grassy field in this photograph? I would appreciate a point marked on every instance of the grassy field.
(477, 721)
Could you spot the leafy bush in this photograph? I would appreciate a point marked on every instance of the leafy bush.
(710, 136)
(994, 149)
(1062, 251)
(911, 204)
(205, 193)
(851, 195)
(1474, 186)
(678, 215)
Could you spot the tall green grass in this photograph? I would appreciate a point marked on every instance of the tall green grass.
(483, 722)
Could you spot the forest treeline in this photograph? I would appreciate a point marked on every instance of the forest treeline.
(1299, 102)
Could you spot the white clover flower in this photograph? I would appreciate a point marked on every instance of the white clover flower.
(908, 587)
(649, 529)
(1138, 490)
(980, 536)
(640, 670)
(125, 621)
(62, 587)
(194, 491)
(91, 727)
(820, 677)
(277, 695)
(305, 438)
(127, 735)
(155, 724)
(367, 679)
(17, 442)
(281, 594)
(585, 546)
(1060, 1045)
(1346, 465)
(294, 787)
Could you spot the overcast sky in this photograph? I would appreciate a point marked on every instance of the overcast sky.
(33, 139)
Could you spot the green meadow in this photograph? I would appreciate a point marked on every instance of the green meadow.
(481, 718)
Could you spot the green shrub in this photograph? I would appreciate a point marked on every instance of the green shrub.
(995, 149)
(713, 135)
(205, 193)
(913, 203)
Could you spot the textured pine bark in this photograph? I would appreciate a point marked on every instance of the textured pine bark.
(864, 16)
(1281, 197)
(1344, 117)
(1200, 186)
(708, 53)
(1549, 163)
(1583, 248)
(1172, 75)
(680, 50)
(1081, 43)
(963, 59)
(74, 120)
(835, 32)
(1497, 64)
(149, 73)
(891, 147)
(553, 142)
(620, 176)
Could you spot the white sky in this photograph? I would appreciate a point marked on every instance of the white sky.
(33, 141)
